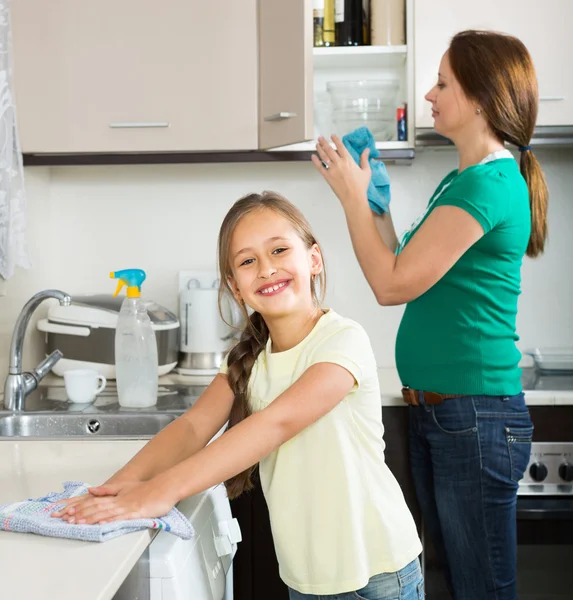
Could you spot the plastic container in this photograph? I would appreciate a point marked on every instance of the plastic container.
(387, 22)
(370, 103)
(552, 360)
(136, 361)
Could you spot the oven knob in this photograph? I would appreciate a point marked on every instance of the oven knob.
(566, 472)
(538, 471)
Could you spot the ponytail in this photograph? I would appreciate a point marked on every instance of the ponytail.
(538, 197)
(240, 363)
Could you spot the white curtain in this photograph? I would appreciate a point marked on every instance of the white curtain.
(13, 238)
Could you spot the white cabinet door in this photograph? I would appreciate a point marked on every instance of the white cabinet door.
(285, 72)
(543, 26)
(136, 75)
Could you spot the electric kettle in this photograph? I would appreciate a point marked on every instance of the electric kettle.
(205, 338)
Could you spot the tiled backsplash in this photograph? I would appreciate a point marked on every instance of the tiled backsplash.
(86, 221)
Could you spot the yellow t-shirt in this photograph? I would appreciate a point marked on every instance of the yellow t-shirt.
(338, 515)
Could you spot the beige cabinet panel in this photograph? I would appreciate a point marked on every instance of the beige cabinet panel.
(544, 27)
(286, 72)
(136, 75)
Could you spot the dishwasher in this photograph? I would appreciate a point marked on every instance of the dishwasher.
(195, 569)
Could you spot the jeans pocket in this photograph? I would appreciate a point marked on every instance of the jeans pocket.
(455, 416)
(376, 596)
(384, 586)
(412, 582)
(519, 440)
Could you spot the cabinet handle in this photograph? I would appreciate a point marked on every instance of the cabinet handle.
(280, 116)
(137, 124)
(551, 98)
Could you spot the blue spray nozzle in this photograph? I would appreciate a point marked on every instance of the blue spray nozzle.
(132, 278)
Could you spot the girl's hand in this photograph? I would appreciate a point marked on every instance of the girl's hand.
(107, 489)
(348, 180)
(133, 501)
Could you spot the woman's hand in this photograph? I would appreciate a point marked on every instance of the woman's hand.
(348, 180)
(113, 502)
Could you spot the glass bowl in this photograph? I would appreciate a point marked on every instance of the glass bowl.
(552, 360)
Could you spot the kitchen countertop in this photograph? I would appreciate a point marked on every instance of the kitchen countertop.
(177, 393)
(540, 390)
(43, 568)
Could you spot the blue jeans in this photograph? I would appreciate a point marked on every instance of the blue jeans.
(467, 456)
(406, 584)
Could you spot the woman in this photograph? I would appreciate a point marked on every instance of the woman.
(458, 271)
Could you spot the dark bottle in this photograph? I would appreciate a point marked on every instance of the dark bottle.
(318, 22)
(348, 19)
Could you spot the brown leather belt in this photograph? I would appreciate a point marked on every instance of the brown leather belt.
(413, 397)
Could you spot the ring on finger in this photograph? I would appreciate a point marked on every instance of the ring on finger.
(325, 164)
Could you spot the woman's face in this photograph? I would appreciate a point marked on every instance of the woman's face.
(452, 110)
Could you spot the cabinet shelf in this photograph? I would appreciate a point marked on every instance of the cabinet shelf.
(359, 57)
(311, 146)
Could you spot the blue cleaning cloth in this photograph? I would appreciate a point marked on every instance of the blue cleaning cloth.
(379, 189)
(34, 516)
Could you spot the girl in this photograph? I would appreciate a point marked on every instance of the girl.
(459, 272)
(300, 392)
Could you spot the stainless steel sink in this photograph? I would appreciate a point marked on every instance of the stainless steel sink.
(58, 425)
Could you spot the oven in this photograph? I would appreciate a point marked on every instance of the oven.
(545, 524)
(545, 508)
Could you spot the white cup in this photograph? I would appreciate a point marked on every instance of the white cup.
(82, 385)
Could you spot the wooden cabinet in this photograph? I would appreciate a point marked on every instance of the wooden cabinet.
(285, 69)
(544, 27)
(181, 76)
(172, 76)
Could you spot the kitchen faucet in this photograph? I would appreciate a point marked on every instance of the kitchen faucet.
(18, 385)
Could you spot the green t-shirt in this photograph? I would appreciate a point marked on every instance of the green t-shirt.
(459, 336)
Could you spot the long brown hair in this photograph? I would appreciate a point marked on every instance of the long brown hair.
(496, 70)
(255, 334)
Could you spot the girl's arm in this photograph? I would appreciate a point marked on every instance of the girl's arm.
(445, 236)
(183, 437)
(315, 393)
(321, 387)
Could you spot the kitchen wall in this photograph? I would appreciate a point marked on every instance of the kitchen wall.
(87, 221)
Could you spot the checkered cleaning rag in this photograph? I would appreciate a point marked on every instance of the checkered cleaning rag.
(34, 516)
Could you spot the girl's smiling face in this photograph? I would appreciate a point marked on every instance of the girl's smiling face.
(271, 265)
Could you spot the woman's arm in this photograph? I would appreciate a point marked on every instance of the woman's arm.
(444, 237)
(183, 437)
(243, 445)
(385, 227)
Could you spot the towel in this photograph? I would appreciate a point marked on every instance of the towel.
(34, 516)
(13, 227)
(379, 189)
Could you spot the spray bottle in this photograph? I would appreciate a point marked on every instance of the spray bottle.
(136, 363)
